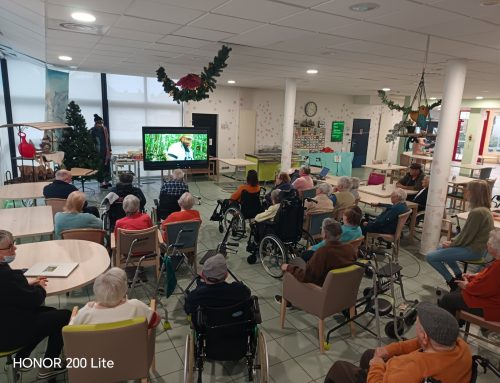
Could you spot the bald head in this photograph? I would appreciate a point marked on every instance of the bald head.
(63, 175)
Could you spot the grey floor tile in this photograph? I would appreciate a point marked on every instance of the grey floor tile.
(314, 363)
(296, 344)
(167, 362)
(290, 372)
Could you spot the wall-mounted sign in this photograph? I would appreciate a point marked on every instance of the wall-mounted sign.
(337, 131)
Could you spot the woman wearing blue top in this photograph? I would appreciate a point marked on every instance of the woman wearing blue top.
(350, 230)
(73, 218)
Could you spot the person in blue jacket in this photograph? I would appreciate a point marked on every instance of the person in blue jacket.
(387, 221)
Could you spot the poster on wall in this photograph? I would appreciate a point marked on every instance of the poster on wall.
(337, 131)
(56, 101)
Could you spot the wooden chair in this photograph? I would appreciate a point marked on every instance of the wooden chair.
(356, 243)
(326, 300)
(314, 222)
(128, 343)
(394, 239)
(134, 247)
(456, 194)
(57, 204)
(93, 235)
(185, 233)
(479, 321)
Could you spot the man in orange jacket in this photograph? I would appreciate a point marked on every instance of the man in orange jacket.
(436, 352)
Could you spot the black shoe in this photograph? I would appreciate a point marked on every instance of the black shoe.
(252, 259)
(45, 373)
(277, 299)
(452, 285)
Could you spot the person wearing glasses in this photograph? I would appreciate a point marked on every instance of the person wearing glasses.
(25, 321)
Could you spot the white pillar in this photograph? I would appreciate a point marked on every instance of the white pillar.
(288, 117)
(440, 170)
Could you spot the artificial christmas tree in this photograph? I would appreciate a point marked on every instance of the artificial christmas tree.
(77, 143)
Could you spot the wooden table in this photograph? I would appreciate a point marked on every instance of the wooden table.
(460, 180)
(465, 215)
(389, 169)
(26, 190)
(332, 180)
(92, 259)
(473, 167)
(28, 221)
(373, 199)
(379, 192)
(482, 158)
(238, 164)
(420, 157)
(82, 173)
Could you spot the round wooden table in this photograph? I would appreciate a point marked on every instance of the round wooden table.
(25, 190)
(92, 259)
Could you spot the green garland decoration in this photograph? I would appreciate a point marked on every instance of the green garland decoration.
(405, 109)
(208, 80)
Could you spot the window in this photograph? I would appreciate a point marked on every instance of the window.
(85, 90)
(4, 139)
(494, 145)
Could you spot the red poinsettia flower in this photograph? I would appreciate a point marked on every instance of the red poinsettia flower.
(189, 81)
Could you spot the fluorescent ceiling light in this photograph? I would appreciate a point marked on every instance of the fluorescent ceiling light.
(312, 71)
(65, 58)
(479, 97)
(83, 16)
(364, 7)
(386, 89)
(231, 82)
(433, 98)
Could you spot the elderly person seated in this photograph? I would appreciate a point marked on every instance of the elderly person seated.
(282, 182)
(125, 187)
(421, 197)
(387, 221)
(187, 213)
(478, 293)
(321, 204)
(355, 187)
(259, 227)
(251, 186)
(304, 182)
(134, 219)
(413, 179)
(72, 217)
(111, 304)
(170, 192)
(214, 291)
(343, 197)
(470, 244)
(25, 321)
(62, 187)
(436, 352)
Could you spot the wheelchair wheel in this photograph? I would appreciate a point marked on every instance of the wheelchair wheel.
(272, 255)
(261, 370)
(390, 331)
(189, 366)
(237, 226)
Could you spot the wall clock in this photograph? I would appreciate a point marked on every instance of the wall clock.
(310, 109)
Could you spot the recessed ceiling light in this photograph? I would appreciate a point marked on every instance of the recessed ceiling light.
(479, 97)
(364, 7)
(65, 58)
(386, 89)
(83, 17)
(432, 98)
(312, 71)
(231, 82)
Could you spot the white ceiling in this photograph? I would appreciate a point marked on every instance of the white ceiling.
(355, 53)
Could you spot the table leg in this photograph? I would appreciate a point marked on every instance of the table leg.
(413, 222)
(138, 164)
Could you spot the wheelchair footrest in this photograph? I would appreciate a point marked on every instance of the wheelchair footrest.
(389, 270)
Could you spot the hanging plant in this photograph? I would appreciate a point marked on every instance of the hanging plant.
(405, 109)
(193, 87)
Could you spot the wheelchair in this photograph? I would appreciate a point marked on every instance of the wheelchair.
(283, 239)
(227, 334)
(250, 205)
(477, 361)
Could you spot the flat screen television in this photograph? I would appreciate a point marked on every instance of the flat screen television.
(174, 147)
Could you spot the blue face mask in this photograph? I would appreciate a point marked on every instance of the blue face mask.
(8, 258)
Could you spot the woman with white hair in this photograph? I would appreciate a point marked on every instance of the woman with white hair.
(343, 197)
(387, 221)
(134, 219)
(479, 293)
(170, 192)
(323, 203)
(111, 303)
(187, 213)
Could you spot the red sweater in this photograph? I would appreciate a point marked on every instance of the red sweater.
(179, 216)
(137, 221)
(236, 196)
(483, 291)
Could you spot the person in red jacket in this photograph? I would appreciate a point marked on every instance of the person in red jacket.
(479, 293)
(187, 213)
(134, 219)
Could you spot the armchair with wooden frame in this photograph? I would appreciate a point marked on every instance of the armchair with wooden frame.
(326, 300)
(87, 234)
(57, 204)
(129, 344)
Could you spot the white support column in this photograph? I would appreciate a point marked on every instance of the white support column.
(288, 117)
(440, 170)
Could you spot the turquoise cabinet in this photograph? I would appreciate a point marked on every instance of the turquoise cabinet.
(339, 163)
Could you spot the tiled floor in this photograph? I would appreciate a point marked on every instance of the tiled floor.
(293, 351)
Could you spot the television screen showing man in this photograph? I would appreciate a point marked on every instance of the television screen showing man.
(181, 150)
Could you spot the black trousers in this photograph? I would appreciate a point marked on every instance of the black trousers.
(48, 323)
(452, 302)
(346, 372)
